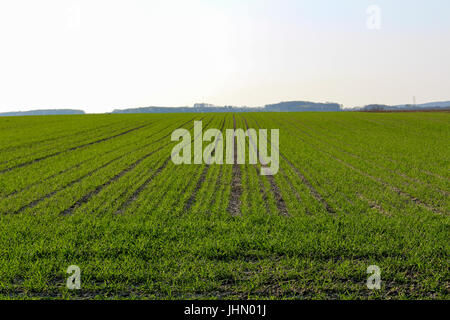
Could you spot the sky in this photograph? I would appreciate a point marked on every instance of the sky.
(100, 55)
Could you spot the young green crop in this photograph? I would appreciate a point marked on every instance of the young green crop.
(100, 192)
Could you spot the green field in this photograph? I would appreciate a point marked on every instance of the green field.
(100, 192)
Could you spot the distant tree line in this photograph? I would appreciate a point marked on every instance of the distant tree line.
(290, 106)
(287, 106)
(41, 112)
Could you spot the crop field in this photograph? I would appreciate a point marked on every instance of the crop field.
(101, 192)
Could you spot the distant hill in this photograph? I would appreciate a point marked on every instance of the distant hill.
(286, 106)
(289, 106)
(293, 106)
(437, 105)
(41, 112)
(401, 107)
(187, 110)
(173, 110)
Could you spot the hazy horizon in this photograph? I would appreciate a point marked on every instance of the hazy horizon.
(103, 55)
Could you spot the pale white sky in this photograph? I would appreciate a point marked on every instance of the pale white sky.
(98, 55)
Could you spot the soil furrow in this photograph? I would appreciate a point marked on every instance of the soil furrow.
(306, 182)
(380, 167)
(379, 180)
(234, 204)
(37, 143)
(373, 204)
(293, 189)
(70, 149)
(85, 198)
(202, 178)
(99, 188)
(395, 189)
(51, 194)
(217, 188)
(81, 178)
(276, 192)
(84, 161)
(28, 187)
(141, 188)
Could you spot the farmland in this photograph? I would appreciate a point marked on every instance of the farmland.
(101, 192)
